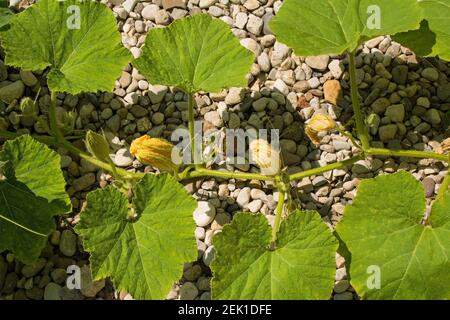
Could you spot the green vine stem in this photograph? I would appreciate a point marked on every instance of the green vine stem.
(191, 103)
(361, 128)
(316, 171)
(406, 153)
(203, 172)
(54, 128)
(445, 185)
(278, 213)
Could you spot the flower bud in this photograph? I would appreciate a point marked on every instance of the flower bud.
(320, 122)
(27, 107)
(98, 146)
(154, 152)
(266, 157)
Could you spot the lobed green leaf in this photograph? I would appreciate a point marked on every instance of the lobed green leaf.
(83, 55)
(197, 53)
(144, 256)
(32, 193)
(336, 26)
(383, 232)
(302, 266)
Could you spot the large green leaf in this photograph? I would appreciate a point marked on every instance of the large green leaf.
(88, 58)
(383, 232)
(144, 256)
(437, 13)
(195, 53)
(6, 16)
(421, 40)
(335, 26)
(302, 266)
(32, 192)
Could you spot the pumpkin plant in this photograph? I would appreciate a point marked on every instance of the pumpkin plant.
(141, 242)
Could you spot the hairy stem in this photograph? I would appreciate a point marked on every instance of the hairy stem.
(278, 213)
(316, 171)
(54, 129)
(203, 172)
(361, 128)
(406, 153)
(191, 125)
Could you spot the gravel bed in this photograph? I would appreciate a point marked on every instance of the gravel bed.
(405, 96)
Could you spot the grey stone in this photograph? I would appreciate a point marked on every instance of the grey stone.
(251, 45)
(319, 181)
(429, 185)
(3, 271)
(129, 5)
(234, 96)
(170, 4)
(52, 291)
(423, 102)
(432, 116)
(28, 78)
(12, 91)
(396, 112)
(255, 206)
(214, 118)
(241, 20)
(341, 286)
(90, 288)
(204, 213)
(430, 74)
(113, 123)
(158, 118)
(400, 74)
(254, 24)
(123, 158)
(318, 62)
(68, 243)
(234, 122)
(188, 291)
(162, 17)
(149, 12)
(260, 104)
(157, 93)
(138, 111)
(83, 182)
(10, 283)
(336, 68)
(208, 256)
(30, 270)
(343, 296)
(244, 197)
(387, 132)
(58, 275)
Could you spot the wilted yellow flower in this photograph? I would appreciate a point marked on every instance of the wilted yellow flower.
(319, 122)
(154, 152)
(98, 146)
(266, 157)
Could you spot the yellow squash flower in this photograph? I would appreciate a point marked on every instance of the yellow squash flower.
(154, 152)
(319, 122)
(266, 157)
